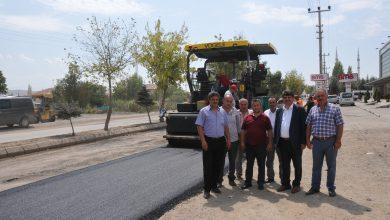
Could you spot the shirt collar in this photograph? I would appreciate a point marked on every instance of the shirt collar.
(285, 109)
(210, 109)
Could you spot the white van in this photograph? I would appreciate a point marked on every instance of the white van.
(346, 98)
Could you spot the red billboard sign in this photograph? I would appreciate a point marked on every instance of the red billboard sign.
(347, 77)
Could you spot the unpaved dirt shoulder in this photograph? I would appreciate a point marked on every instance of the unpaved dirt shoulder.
(362, 179)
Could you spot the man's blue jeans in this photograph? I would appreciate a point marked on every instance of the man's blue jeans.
(321, 149)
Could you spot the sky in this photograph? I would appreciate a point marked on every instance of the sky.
(34, 33)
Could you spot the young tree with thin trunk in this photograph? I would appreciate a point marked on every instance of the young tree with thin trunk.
(107, 52)
(67, 111)
(145, 100)
(163, 56)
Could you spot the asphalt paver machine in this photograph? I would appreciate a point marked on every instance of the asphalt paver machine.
(241, 58)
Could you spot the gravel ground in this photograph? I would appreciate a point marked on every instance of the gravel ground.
(362, 179)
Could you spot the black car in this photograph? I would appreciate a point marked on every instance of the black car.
(17, 110)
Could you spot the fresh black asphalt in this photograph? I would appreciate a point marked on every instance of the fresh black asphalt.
(143, 185)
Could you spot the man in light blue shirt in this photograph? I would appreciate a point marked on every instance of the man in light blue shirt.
(213, 130)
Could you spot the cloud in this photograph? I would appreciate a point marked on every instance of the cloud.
(32, 23)
(106, 7)
(355, 5)
(263, 13)
(55, 60)
(26, 58)
(17, 57)
(370, 28)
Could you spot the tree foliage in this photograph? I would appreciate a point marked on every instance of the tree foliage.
(274, 82)
(294, 82)
(67, 111)
(162, 54)
(107, 48)
(334, 86)
(67, 88)
(71, 89)
(127, 89)
(145, 100)
(3, 84)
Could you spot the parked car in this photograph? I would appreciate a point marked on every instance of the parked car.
(17, 110)
(333, 99)
(346, 98)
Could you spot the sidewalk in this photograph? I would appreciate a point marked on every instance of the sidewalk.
(11, 149)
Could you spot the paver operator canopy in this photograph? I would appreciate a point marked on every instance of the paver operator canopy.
(228, 51)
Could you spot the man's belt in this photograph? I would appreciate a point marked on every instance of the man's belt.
(323, 138)
(215, 139)
(284, 139)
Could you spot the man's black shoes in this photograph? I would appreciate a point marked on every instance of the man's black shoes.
(332, 193)
(270, 181)
(261, 187)
(246, 186)
(216, 190)
(312, 191)
(206, 195)
(232, 183)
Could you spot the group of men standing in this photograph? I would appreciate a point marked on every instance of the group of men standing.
(286, 131)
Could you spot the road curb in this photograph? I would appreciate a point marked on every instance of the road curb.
(41, 144)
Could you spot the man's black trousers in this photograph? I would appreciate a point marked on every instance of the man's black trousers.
(212, 159)
(259, 153)
(290, 152)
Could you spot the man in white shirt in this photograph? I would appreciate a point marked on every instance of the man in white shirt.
(234, 123)
(244, 111)
(290, 140)
(271, 113)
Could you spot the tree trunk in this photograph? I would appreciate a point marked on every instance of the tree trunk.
(162, 105)
(147, 110)
(71, 124)
(109, 104)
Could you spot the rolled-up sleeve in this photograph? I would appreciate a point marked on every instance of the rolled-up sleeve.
(338, 117)
(200, 119)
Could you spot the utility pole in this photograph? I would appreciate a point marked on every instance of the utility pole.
(324, 63)
(319, 10)
(358, 64)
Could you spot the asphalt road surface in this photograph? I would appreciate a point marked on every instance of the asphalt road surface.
(140, 185)
(86, 122)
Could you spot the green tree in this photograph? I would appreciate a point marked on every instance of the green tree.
(127, 89)
(91, 94)
(334, 86)
(71, 89)
(3, 84)
(67, 111)
(310, 89)
(106, 51)
(67, 88)
(145, 100)
(162, 54)
(294, 82)
(274, 82)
